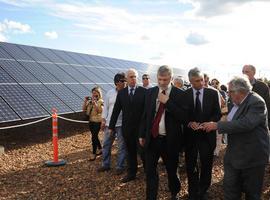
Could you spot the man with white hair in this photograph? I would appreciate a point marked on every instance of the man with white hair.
(248, 142)
(130, 101)
(178, 82)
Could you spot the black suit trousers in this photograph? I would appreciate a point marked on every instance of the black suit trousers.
(133, 149)
(199, 174)
(158, 148)
(249, 181)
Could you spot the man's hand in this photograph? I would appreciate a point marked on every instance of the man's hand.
(209, 126)
(163, 98)
(194, 125)
(142, 141)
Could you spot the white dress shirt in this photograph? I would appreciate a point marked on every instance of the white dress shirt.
(162, 127)
(109, 102)
(200, 96)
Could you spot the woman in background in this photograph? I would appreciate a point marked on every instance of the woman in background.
(93, 107)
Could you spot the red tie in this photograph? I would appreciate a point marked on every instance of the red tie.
(155, 127)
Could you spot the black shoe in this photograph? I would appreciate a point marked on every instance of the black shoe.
(119, 171)
(128, 178)
(103, 169)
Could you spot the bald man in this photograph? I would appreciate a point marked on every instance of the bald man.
(258, 86)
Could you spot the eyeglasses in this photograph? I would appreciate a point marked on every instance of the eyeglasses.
(145, 78)
(122, 81)
(132, 76)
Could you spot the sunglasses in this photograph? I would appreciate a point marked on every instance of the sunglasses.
(145, 78)
(122, 81)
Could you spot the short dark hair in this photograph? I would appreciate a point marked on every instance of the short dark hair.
(119, 76)
(145, 75)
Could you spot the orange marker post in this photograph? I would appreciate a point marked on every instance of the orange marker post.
(55, 161)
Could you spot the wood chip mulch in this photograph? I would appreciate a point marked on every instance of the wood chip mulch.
(24, 176)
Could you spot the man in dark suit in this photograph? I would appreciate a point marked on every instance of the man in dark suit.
(203, 106)
(248, 142)
(161, 132)
(258, 86)
(130, 101)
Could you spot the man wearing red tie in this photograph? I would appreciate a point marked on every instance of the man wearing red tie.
(161, 134)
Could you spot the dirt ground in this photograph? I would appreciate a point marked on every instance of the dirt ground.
(24, 176)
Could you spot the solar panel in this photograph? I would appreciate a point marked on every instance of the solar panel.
(79, 89)
(67, 96)
(78, 57)
(89, 59)
(49, 54)
(7, 114)
(47, 99)
(4, 54)
(65, 57)
(106, 87)
(72, 71)
(90, 73)
(99, 59)
(17, 71)
(5, 78)
(35, 54)
(39, 72)
(24, 105)
(60, 74)
(15, 51)
(34, 80)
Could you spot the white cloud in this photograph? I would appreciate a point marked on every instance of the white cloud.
(145, 37)
(158, 57)
(9, 27)
(196, 39)
(51, 35)
(210, 8)
(2, 38)
(14, 27)
(25, 3)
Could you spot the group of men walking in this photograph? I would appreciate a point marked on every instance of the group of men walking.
(163, 120)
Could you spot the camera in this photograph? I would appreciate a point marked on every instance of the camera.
(88, 98)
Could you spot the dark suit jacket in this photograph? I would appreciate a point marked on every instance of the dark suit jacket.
(248, 137)
(263, 90)
(174, 116)
(210, 112)
(131, 111)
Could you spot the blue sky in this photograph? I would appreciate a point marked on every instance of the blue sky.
(219, 36)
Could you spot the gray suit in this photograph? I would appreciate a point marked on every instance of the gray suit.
(248, 149)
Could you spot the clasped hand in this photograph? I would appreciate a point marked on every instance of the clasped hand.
(206, 126)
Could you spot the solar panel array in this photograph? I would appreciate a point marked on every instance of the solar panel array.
(35, 80)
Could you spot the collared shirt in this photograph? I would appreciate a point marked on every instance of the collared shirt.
(200, 96)
(109, 102)
(134, 88)
(162, 127)
(232, 112)
(234, 109)
(148, 86)
(253, 81)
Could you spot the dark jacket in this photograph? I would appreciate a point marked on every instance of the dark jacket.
(132, 111)
(174, 116)
(210, 112)
(248, 137)
(263, 90)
